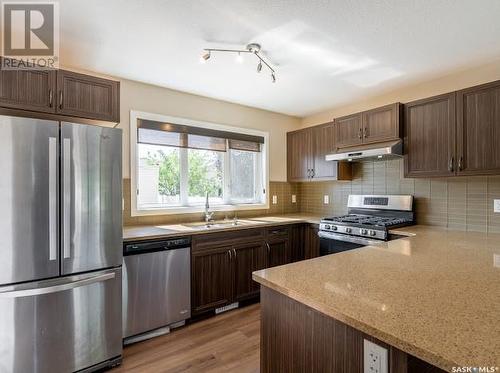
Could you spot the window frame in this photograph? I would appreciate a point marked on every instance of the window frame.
(227, 205)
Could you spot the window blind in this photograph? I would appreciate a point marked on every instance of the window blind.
(168, 134)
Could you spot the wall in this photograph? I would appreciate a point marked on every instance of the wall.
(153, 99)
(458, 80)
(461, 203)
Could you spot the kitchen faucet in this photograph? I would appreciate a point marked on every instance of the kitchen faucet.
(208, 213)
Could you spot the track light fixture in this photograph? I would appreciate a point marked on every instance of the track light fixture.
(252, 48)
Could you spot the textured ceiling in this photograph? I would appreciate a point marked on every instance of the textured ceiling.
(326, 53)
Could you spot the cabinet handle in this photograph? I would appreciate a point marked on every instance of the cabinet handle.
(365, 134)
(360, 134)
(230, 255)
(51, 97)
(268, 247)
(60, 99)
(312, 173)
(450, 164)
(461, 163)
(234, 253)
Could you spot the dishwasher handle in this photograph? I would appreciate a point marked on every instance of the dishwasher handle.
(143, 247)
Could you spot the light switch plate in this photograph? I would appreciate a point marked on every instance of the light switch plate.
(275, 200)
(375, 358)
(294, 198)
(326, 199)
(496, 205)
(496, 260)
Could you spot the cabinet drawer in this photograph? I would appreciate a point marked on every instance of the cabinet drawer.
(278, 232)
(217, 239)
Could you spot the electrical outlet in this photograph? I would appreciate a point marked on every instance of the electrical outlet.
(326, 199)
(275, 200)
(375, 358)
(294, 198)
(496, 205)
(496, 260)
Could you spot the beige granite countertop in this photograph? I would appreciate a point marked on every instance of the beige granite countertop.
(435, 295)
(142, 232)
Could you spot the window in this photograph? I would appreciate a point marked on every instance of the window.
(175, 163)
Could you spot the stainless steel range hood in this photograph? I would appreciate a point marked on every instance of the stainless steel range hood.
(385, 150)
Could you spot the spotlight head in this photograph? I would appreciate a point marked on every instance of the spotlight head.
(273, 77)
(206, 56)
(259, 67)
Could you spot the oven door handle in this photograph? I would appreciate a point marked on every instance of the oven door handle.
(353, 239)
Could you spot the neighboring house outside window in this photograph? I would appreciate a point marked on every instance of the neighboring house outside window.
(175, 162)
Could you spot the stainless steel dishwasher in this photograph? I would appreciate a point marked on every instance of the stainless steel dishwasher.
(156, 287)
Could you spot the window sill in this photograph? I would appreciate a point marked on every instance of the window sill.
(177, 210)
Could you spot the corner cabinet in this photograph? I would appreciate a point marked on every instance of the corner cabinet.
(454, 134)
(60, 92)
(306, 151)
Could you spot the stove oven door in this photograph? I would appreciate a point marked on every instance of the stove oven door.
(332, 243)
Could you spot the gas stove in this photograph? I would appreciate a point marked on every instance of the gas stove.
(369, 216)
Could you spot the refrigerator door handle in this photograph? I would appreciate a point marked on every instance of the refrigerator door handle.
(66, 198)
(56, 288)
(52, 198)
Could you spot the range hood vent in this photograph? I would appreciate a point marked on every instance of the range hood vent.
(380, 151)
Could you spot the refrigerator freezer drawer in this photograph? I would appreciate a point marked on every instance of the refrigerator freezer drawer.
(61, 325)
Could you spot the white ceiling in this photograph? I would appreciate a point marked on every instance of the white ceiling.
(326, 52)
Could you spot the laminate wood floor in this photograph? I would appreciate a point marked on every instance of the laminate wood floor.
(225, 343)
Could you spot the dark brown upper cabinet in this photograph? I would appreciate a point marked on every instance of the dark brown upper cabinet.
(306, 151)
(87, 96)
(478, 130)
(372, 126)
(348, 130)
(454, 134)
(60, 92)
(382, 124)
(429, 137)
(32, 90)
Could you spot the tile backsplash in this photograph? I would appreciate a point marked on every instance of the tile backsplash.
(282, 190)
(462, 203)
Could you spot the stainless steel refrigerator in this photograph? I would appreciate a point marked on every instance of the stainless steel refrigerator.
(61, 250)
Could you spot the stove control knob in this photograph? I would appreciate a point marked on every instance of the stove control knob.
(333, 227)
(364, 231)
(348, 230)
(373, 233)
(327, 227)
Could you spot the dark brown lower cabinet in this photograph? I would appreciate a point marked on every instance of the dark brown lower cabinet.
(311, 241)
(248, 257)
(212, 278)
(297, 338)
(279, 253)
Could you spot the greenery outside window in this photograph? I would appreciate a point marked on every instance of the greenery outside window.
(176, 162)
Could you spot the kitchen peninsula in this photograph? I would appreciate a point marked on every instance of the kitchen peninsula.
(432, 299)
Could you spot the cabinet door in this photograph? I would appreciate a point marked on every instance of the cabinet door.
(212, 279)
(478, 126)
(348, 131)
(32, 90)
(279, 252)
(323, 140)
(381, 124)
(299, 155)
(311, 241)
(248, 258)
(297, 239)
(87, 96)
(430, 137)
